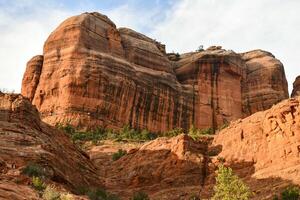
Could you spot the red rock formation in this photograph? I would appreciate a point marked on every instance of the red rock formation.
(296, 87)
(165, 168)
(265, 83)
(94, 74)
(25, 139)
(88, 82)
(32, 78)
(215, 77)
(270, 140)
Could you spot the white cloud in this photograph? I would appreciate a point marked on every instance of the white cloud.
(22, 37)
(272, 25)
(138, 19)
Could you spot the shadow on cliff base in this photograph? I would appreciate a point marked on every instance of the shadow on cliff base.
(163, 175)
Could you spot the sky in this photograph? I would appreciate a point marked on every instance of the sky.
(183, 25)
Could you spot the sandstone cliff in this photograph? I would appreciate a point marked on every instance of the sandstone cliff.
(24, 140)
(296, 87)
(265, 83)
(93, 74)
(266, 145)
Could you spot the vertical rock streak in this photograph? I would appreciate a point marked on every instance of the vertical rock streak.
(93, 74)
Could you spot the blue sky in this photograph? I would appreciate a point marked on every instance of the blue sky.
(183, 25)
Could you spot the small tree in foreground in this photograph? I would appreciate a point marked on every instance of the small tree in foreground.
(229, 186)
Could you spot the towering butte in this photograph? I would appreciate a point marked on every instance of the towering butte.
(93, 74)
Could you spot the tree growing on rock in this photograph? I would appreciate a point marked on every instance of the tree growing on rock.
(229, 186)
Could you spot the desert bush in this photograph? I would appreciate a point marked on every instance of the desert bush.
(140, 196)
(194, 197)
(275, 197)
(38, 184)
(66, 197)
(196, 133)
(200, 48)
(291, 193)
(225, 125)
(68, 128)
(174, 132)
(51, 193)
(100, 194)
(229, 186)
(34, 170)
(126, 133)
(147, 135)
(119, 154)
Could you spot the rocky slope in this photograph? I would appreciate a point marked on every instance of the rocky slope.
(93, 74)
(263, 150)
(25, 140)
(267, 144)
(296, 87)
(164, 168)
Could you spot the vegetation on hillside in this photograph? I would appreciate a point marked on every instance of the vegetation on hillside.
(132, 135)
(290, 193)
(229, 186)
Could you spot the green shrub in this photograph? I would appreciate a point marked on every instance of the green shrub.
(229, 186)
(173, 132)
(51, 193)
(66, 197)
(126, 133)
(275, 197)
(34, 170)
(100, 194)
(194, 197)
(119, 154)
(140, 196)
(196, 133)
(207, 131)
(291, 193)
(146, 135)
(68, 128)
(225, 125)
(38, 184)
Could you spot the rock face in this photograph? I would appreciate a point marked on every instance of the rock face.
(296, 87)
(269, 140)
(263, 150)
(165, 168)
(265, 83)
(214, 77)
(32, 78)
(24, 139)
(94, 74)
